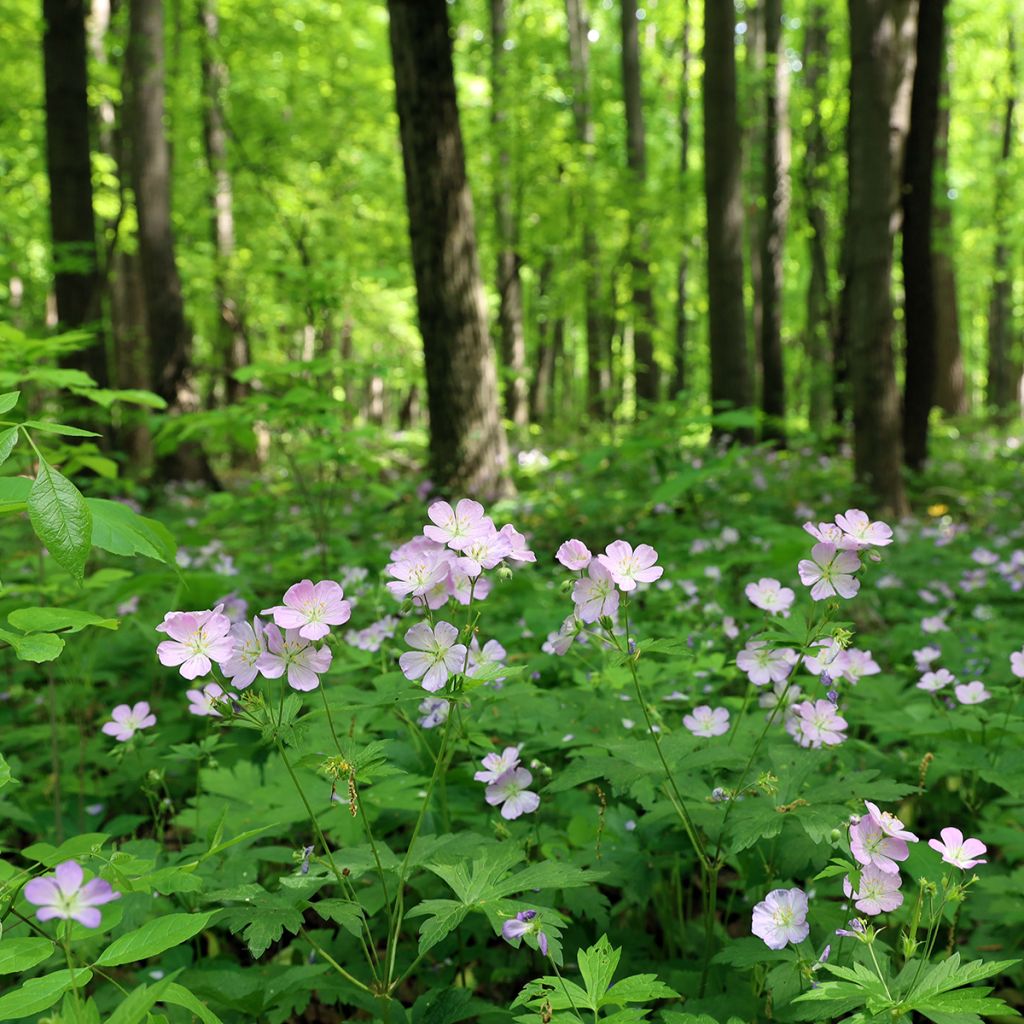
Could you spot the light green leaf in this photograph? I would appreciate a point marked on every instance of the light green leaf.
(443, 917)
(61, 519)
(59, 428)
(21, 954)
(40, 994)
(38, 647)
(51, 620)
(106, 397)
(153, 938)
(14, 492)
(8, 401)
(8, 439)
(140, 1001)
(597, 968)
(119, 530)
(5, 773)
(179, 996)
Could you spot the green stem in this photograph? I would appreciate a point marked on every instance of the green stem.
(565, 989)
(334, 963)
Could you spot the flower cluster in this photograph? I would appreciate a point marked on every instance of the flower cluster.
(829, 572)
(507, 784)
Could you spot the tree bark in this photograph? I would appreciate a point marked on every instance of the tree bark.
(876, 407)
(918, 203)
(468, 449)
(679, 374)
(773, 229)
(510, 289)
(542, 383)
(752, 143)
(77, 278)
(643, 314)
(730, 373)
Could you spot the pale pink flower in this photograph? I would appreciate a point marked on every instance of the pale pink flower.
(510, 790)
(829, 533)
(764, 664)
(961, 853)
(933, 681)
(857, 525)
(829, 572)
(707, 722)
(574, 554)
(595, 595)
(971, 693)
(560, 642)
(934, 624)
(484, 551)
(984, 557)
(295, 655)
(781, 918)
(629, 567)
(869, 844)
(830, 659)
(770, 595)
(924, 656)
(857, 664)
(517, 549)
(435, 655)
(457, 527)
(877, 892)
(312, 608)
(62, 895)
(435, 712)
(243, 665)
(1017, 663)
(495, 765)
(204, 702)
(197, 639)
(492, 653)
(889, 823)
(462, 587)
(125, 721)
(817, 724)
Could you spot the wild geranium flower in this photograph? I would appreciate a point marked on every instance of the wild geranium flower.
(435, 655)
(707, 722)
(560, 642)
(857, 664)
(829, 572)
(764, 664)
(510, 790)
(857, 525)
(574, 554)
(203, 702)
(961, 853)
(1017, 663)
(126, 720)
(971, 693)
(243, 665)
(924, 656)
(816, 724)
(877, 892)
(492, 653)
(934, 624)
(435, 712)
(889, 823)
(829, 533)
(63, 895)
(594, 594)
(457, 527)
(312, 608)
(517, 549)
(495, 765)
(782, 695)
(830, 658)
(770, 595)
(629, 567)
(869, 844)
(295, 655)
(524, 923)
(781, 918)
(933, 681)
(483, 551)
(197, 639)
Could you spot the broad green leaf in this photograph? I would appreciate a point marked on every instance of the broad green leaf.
(5, 773)
(14, 492)
(443, 917)
(8, 439)
(52, 620)
(21, 954)
(179, 996)
(597, 968)
(71, 849)
(106, 397)
(61, 519)
(37, 647)
(40, 994)
(59, 428)
(119, 530)
(153, 938)
(8, 401)
(140, 1001)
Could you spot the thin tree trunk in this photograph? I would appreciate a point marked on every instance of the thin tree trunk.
(679, 375)
(918, 203)
(776, 214)
(468, 449)
(643, 314)
(730, 372)
(544, 374)
(510, 289)
(876, 407)
(77, 278)
(752, 141)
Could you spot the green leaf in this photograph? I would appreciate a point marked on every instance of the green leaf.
(61, 519)
(179, 996)
(38, 647)
(50, 620)
(106, 397)
(59, 428)
(154, 937)
(263, 921)
(344, 912)
(140, 1001)
(14, 492)
(637, 988)
(748, 951)
(443, 917)
(119, 530)
(21, 954)
(71, 849)
(8, 401)
(5, 773)
(597, 968)
(40, 994)
(8, 439)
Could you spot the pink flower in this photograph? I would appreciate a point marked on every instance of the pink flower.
(560, 642)
(830, 659)
(857, 664)
(707, 722)
(877, 892)
(492, 653)
(764, 664)
(435, 711)
(312, 608)
(574, 554)
(420, 568)
(829, 533)
(770, 595)
(817, 724)
(971, 693)
(595, 595)
(961, 853)
(934, 624)
(857, 525)
(517, 549)
(924, 656)
(889, 823)
(295, 655)
(869, 844)
(1017, 663)
(495, 765)
(126, 721)
(435, 656)
(629, 567)
(203, 702)
(510, 790)
(457, 527)
(933, 681)
(781, 918)
(63, 895)
(243, 665)
(197, 639)
(484, 551)
(829, 571)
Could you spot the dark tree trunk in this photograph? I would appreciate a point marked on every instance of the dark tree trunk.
(510, 289)
(819, 303)
(752, 142)
(643, 314)
(468, 449)
(579, 60)
(77, 278)
(730, 372)
(918, 267)
(876, 407)
(679, 376)
(773, 229)
(542, 383)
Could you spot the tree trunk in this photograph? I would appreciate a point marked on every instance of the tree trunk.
(752, 142)
(773, 230)
(819, 303)
(918, 267)
(643, 315)
(876, 407)
(544, 373)
(510, 289)
(730, 373)
(468, 449)
(679, 375)
(77, 279)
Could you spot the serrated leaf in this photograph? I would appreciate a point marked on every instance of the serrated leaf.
(153, 938)
(637, 988)
(21, 954)
(61, 519)
(597, 968)
(443, 917)
(40, 994)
